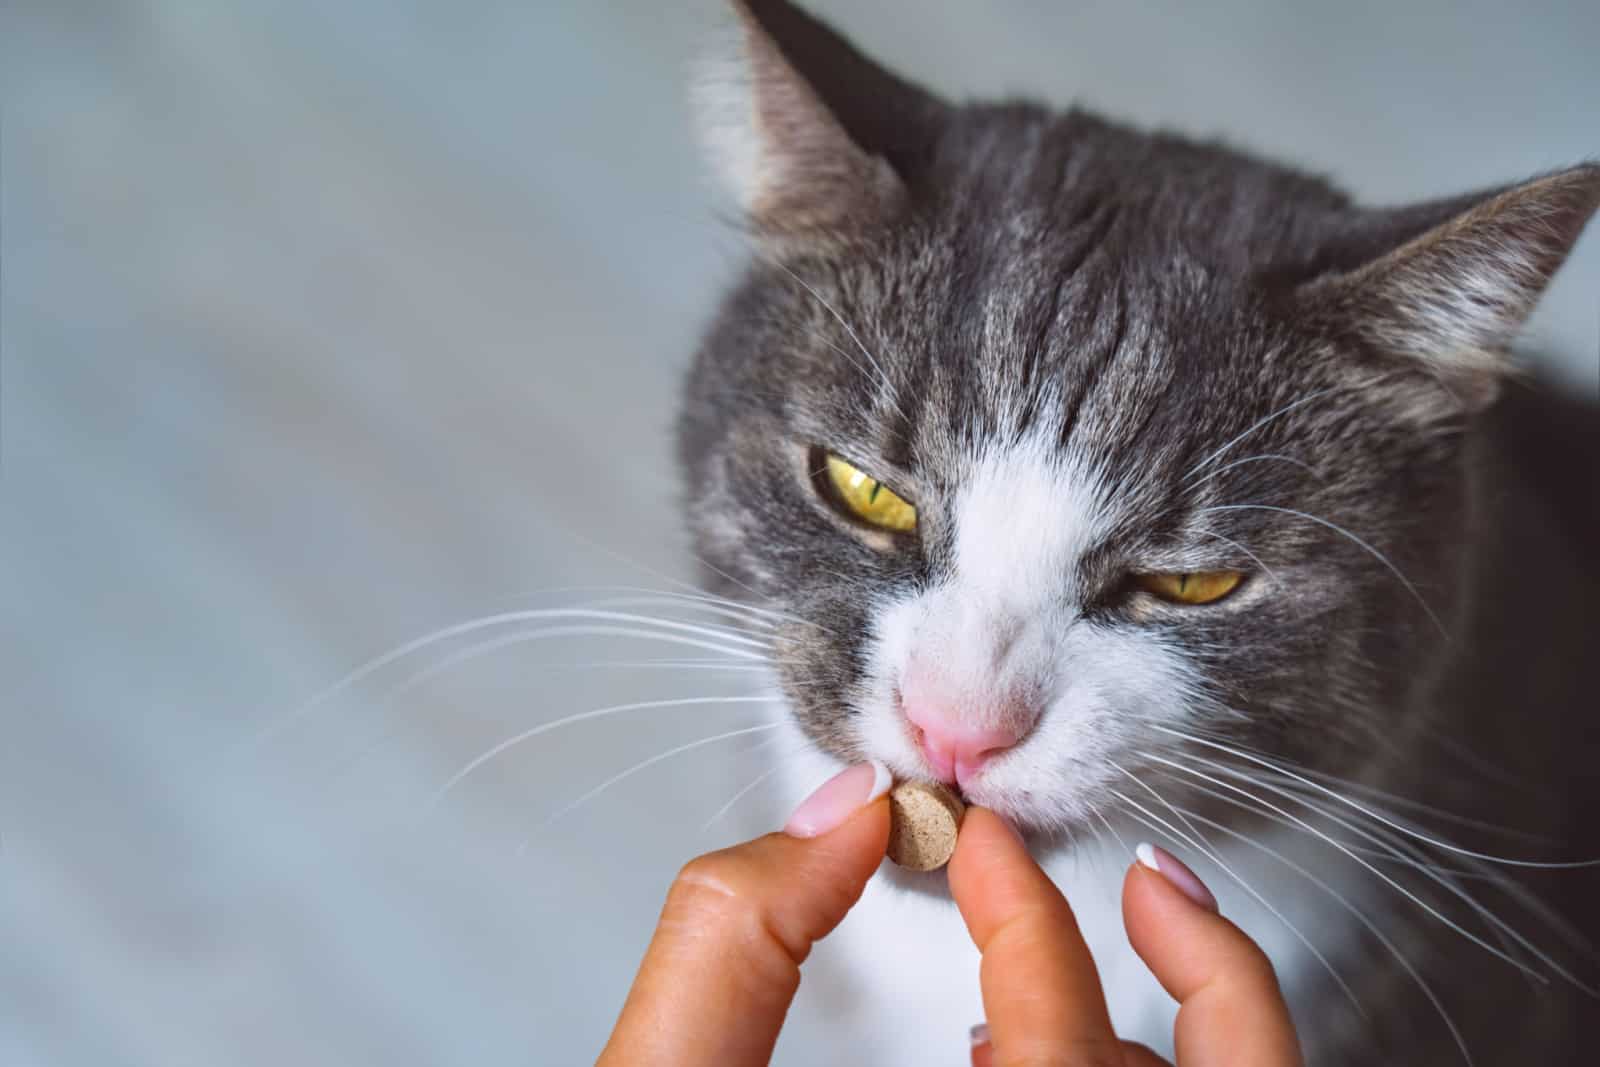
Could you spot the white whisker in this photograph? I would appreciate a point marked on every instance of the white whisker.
(585, 716)
(1424, 838)
(1113, 830)
(764, 614)
(1402, 890)
(1230, 541)
(1379, 556)
(716, 640)
(1210, 854)
(884, 378)
(1308, 468)
(1419, 862)
(762, 777)
(1198, 467)
(1199, 843)
(643, 764)
(481, 649)
(1372, 927)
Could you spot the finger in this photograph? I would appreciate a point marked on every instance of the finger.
(1231, 1011)
(1041, 993)
(982, 1050)
(1137, 1055)
(1133, 1053)
(724, 963)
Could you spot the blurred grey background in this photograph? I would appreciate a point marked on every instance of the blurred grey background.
(324, 325)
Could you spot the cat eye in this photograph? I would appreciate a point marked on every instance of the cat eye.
(865, 499)
(1195, 587)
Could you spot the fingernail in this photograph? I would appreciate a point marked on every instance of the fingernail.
(1173, 870)
(980, 1033)
(838, 798)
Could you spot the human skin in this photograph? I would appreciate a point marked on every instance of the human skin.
(724, 963)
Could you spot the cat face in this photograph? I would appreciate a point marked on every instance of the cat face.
(1176, 438)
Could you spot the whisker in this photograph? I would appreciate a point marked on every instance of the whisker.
(1123, 844)
(769, 620)
(585, 716)
(1383, 855)
(1419, 862)
(884, 378)
(740, 795)
(693, 590)
(738, 622)
(1308, 468)
(1230, 541)
(481, 649)
(1408, 894)
(1198, 467)
(642, 765)
(1361, 917)
(1211, 855)
(1397, 800)
(1352, 538)
(719, 572)
(1435, 842)
(696, 597)
(732, 645)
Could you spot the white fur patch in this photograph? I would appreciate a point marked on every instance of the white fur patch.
(1022, 520)
(1005, 630)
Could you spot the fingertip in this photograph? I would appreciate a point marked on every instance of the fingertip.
(1230, 1006)
(1040, 988)
(857, 845)
(985, 837)
(1177, 873)
(1160, 918)
(989, 853)
(837, 800)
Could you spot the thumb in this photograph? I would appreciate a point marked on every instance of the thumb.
(724, 963)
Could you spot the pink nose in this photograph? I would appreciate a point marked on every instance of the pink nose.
(955, 749)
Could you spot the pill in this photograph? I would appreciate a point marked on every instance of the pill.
(923, 819)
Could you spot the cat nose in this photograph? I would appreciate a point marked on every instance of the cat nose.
(957, 750)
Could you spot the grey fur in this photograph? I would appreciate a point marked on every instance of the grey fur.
(1158, 298)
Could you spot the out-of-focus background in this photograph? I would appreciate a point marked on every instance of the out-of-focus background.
(326, 325)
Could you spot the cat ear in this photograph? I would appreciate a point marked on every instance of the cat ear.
(1458, 278)
(804, 129)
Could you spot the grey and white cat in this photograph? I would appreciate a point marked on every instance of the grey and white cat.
(1132, 482)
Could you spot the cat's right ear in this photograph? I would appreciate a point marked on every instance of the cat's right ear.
(1445, 286)
(812, 138)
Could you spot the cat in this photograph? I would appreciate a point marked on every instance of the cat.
(1132, 484)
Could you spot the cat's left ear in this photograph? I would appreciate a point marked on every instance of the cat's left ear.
(1457, 280)
(814, 140)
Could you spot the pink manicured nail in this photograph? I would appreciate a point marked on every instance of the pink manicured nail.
(838, 798)
(1173, 870)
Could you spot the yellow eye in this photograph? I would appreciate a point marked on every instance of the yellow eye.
(868, 499)
(1198, 587)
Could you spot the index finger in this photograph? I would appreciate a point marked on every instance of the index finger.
(1041, 992)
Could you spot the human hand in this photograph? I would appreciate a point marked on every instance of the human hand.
(1041, 992)
(724, 964)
